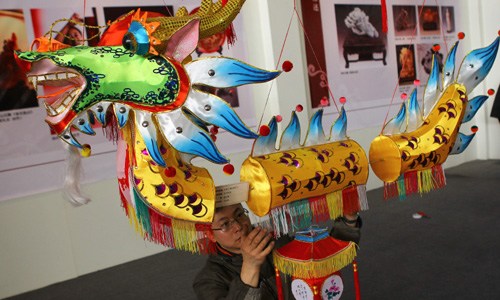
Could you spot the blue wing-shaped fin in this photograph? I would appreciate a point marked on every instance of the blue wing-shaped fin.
(431, 91)
(449, 66)
(461, 143)
(415, 118)
(290, 139)
(121, 113)
(100, 110)
(83, 123)
(67, 136)
(213, 110)
(224, 72)
(147, 129)
(339, 128)
(267, 144)
(186, 137)
(394, 126)
(473, 106)
(476, 65)
(315, 134)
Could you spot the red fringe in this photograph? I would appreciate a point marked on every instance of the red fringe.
(411, 182)
(159, 225)
(384, 16)
(390, 189)
(350, 200)
(319, 209)
(439, 177)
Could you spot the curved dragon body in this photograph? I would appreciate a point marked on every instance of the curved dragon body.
(413, 146)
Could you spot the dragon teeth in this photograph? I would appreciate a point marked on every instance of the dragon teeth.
(71, 75)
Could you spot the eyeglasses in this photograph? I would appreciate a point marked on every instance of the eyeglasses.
(239, 217)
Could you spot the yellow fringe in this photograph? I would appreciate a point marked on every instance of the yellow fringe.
(185, 236)
(315, 269)
(334, 202)
(425, 181)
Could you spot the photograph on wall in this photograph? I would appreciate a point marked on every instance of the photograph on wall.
(425, 53)
(15, 90)
(406, 64)
(359, 33)
(405, 20)
(429, 20)
(448, 18)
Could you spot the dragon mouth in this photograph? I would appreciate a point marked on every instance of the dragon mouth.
(62, 87)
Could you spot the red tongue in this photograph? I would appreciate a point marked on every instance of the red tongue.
(54, 93)
(24, 65)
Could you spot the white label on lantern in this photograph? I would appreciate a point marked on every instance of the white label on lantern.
(301, 290)
(332, 288)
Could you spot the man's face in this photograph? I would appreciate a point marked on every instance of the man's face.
(238, 225)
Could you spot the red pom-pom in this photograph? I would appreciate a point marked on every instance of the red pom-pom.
(474, 129)
(287, 66)
(228, 169)
(342, 100)
(499, 32)
(299, 108)
(170, 172)
(491, 92)
(264, 130)
(461, 35)
(324, 101)
(213, 137)
(436, 47)
(279, 118)
(214, 130)
(404, 96)
(416, 82)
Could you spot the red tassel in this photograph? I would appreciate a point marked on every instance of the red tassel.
(438, 175)
(390, 189)
(356, 280)
(279, 287)
(384, 16)
(350, 200)
(319, 209)
(230, 34)
(411, 182)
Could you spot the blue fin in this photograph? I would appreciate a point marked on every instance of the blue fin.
(338, 130)
(100, 110)
(147, 129)
(449, 66)
(121, 113)
(476, 65)
(290, 139)
(224, 72)
(83, 124)
(415, 118)
(473, 106)
(67, 136)
(186, 137)
(395, 124)
(136, 39)
(431, 91)
(213, 110)
(461, 143)
(315, 134)
(267, 144)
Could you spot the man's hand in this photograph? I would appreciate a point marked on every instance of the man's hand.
(254, 249)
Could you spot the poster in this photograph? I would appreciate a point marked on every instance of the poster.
(31, 157)
(368, 67)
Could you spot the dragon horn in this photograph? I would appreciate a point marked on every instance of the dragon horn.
(210, 23)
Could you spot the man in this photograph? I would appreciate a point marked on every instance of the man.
(243, 268)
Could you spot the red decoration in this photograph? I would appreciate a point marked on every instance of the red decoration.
(384, 16)
(213, 137)
(342, 100)
(474, 128)
(436, 47)
(287, 66)
(324, 101)
(404, 96)
(461, 35)
(416, 82)
(214, 130)
(299, 108)
(228, 169)
(279, 118)
(170, 172)
(264, 130)
(491, 92)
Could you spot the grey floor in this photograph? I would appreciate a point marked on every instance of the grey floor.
(452, 254)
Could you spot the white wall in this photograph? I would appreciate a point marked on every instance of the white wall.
(45, 240)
